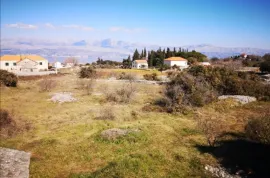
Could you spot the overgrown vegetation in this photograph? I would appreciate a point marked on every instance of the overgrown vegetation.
(201, 85)
(106, 113)
(87, 85)
(87, 72)
(47, 84)
(9, 126)
(259, 129)
(152, 76)
(123, 94)
(8, 79)
(126, 76)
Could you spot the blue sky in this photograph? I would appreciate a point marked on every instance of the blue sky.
(229, 23)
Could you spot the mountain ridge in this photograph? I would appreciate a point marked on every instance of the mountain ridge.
(108, 48)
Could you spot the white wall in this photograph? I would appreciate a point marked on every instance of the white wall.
(42, 65)
(139, 65)
(58, 65)
(12, 65)
(177, 63)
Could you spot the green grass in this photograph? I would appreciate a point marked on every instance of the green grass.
(65, 142)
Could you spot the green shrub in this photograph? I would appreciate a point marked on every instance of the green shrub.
(201, 85)
(8, 79)
(259, 129)
(87, 72)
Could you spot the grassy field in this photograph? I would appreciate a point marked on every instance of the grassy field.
(65, 141)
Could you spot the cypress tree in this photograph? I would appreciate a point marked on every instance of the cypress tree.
(136, 55)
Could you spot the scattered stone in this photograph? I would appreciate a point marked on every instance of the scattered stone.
(14, 163)
(63, 97)
(220, 172)
(241, 98)
(114, 133)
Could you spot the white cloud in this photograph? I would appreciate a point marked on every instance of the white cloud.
(126, 30)
(21, 26)
(49, 25)
(79, 27)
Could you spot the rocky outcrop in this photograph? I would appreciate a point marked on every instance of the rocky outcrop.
(62, 97)
(114, 133)
(241, 98)
(14, 163)
(220, 172)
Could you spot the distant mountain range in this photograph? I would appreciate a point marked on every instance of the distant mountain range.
(107, 49)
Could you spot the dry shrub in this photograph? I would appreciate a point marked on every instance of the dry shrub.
(87, 85)
(212, 128)
(8, 79)
(106, 114)
(106, 74)
(38, 77)
(121, 95)
(134, 114)
(9, 126)
(47, 84)
(126, 76)
(87, 72)
(259, 129)
(151, 77)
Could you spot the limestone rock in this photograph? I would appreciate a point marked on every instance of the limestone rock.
(114, 133)
(241, 98)
(14, 163)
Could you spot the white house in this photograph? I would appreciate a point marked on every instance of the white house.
(57, 65)
(140, 64)
(176, 61)
(27, 63)
(204, 63)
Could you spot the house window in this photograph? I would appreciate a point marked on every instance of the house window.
(7, 64)
(14, 63)
(40, 63)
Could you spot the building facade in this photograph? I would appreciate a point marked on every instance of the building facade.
(176, 61)
(26, 63)
(140, 64)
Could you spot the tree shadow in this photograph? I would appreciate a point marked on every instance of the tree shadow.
(247, 158)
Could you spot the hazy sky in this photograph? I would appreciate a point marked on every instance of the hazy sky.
(229, 23)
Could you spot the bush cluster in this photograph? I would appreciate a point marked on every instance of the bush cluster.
(8, 79)
(259, 129)
(47, 84)
(200, 85)
(126, 76)
(121, 95)
(152, 76)
(87, 72)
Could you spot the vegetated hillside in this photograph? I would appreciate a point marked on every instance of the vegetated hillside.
(65, 139)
